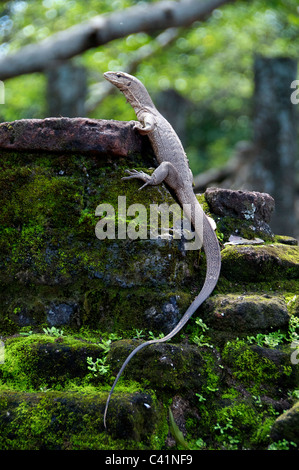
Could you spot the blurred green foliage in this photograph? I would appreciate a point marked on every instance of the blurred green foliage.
(210, 64)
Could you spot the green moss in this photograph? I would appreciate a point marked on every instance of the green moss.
(244, 228)
(260, 263)
(74, 421)
(47, 239)
(230, 421)
(254, 371)
(42, 362)
(241, 426)
(47, 219)
(114, 309)
(285, 240)
(50, 254)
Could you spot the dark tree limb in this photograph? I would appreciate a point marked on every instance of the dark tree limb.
(103, 29)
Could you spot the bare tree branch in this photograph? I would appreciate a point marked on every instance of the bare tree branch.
(102, 29)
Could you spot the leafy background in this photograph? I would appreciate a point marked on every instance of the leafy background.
(210, 65)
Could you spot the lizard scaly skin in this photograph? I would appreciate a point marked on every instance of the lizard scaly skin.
(174, 170)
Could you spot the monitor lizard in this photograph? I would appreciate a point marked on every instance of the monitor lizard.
(174, 170)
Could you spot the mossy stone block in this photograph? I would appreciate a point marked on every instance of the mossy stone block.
(286, 426)
(41, 361)
(74, 421)
(167, 367)
(246, 314)
(260, 263)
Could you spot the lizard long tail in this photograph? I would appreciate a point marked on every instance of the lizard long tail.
(213, 257)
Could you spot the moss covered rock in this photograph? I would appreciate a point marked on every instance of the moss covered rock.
(168, 367)
(286, 426)
(247, 314)
(260, 263)
(259, 370)
(246, 213)
(74, 421)
(52, 264)
(226, 375)
(42, 362)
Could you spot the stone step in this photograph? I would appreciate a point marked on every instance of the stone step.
(286, 427)
(167, 367)
(241, 315)
(50, 400)
(260, 263)
(70, 420)
(41, 361)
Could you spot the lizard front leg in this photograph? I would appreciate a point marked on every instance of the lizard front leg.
(165, 171)
(146, 124)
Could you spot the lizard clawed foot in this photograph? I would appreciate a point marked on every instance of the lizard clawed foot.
(136, 126)
(139, 175)
(133, 174)
(143, 186)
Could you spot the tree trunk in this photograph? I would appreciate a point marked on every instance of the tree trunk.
(273, 169)
(66, 91)
(169, 102)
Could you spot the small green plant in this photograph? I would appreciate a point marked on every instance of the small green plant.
(257, 401)
(97, 367)
(53, 331)
(44, 388)
(220, 236)
(201, 324)
(200, 444)
(139, 334)
(212, 389)
(200, 339)
(200, 397)
(294, 328)
(105, 345)
(275, 338)
(228, 441)
(224, 429)
(152, 336)
(281, 445)
(271, 340)
(114, 337)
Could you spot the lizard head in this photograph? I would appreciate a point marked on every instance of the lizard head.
(131, 87)
(121, 80)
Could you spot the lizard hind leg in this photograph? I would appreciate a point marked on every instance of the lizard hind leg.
(163, 171)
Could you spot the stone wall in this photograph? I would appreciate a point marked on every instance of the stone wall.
(67, 296)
